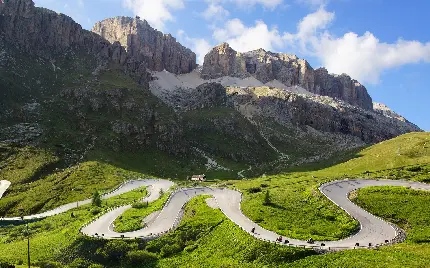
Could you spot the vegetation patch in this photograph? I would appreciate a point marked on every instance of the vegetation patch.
(64, 186)
(132, 219)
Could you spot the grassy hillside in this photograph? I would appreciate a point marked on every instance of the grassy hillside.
(408, 209)
(37, 185)
(206, 238)
(405, 150)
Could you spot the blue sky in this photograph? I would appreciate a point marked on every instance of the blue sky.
(384, 44)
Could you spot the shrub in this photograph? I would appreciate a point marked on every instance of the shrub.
(254, 190)
(97, 200)
(95, 211)
(96, 266)
(190, 248)
(49, 264)
(414, 169)
(139, 205)
(80, 263)
(115, 249)
(6, 265)
(137, 257)
(267, 198)
(169, 250)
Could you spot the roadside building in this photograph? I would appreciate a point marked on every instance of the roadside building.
(198, 177)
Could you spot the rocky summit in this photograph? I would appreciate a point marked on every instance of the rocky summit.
(159, 51)
(127, 89)
(266, 66)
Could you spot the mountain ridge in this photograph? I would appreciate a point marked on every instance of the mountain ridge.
(72, 91)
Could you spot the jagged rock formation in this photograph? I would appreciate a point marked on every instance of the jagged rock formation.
(38, 29)
(292, 110)
(288, 69)
(65, 87)
(159, 51)
(319, 112)
(47, 34)
(383, 109)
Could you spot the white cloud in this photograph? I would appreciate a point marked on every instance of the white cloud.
(156, 12)
(266, 3)
(314, 3)
(199, 46)
(215, 11)
(363, 57)
(313, 22)
(243, 38)
(366, 57)
(270, 4)
(81, 3)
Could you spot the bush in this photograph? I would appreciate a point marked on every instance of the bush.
(6, 265)
(138, 257)
(115, 249)
(80, 263)
(267, 198)
(414, 169)
(190, 248)
(254, 190)
(95, 211)
(96, 266)
(49, 264)
(140, 205)
(169, 250)
(97, 200)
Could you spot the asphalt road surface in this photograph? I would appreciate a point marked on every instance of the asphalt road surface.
(373, 229)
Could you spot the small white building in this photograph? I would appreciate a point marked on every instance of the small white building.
(198, 177)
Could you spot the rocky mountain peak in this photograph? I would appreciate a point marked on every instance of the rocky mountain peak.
(18, 7)
(267, 66)
(159, 51)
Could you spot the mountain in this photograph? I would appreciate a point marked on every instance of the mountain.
(266, 66)
(127, 94)
(159, 51)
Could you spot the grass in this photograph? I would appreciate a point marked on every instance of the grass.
(405, 207)
(132, 219)
(220, 243)
(224, 132)
(21, 165)
(405, 150)
(206, 238)
(296, 209)
(65, 186)
(51, 236)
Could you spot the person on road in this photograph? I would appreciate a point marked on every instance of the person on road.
(253, 230)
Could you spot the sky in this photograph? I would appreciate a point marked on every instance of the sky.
(384, 44)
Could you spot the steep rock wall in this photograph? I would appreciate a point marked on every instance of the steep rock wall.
(159, 51)
(288, 69)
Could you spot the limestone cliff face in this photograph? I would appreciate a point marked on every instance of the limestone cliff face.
(159, 51)
(319, 112)
(48, 34)
(288, 69)
(39, 30)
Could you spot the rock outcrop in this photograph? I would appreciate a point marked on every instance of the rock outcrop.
(159, 51)
(321, 113)
(48, 34)
(288, 69)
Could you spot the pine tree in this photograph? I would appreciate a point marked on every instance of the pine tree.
(97, 200)
(267, 198)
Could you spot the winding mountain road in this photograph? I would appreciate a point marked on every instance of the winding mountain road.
(373, 229)
(3, 187)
